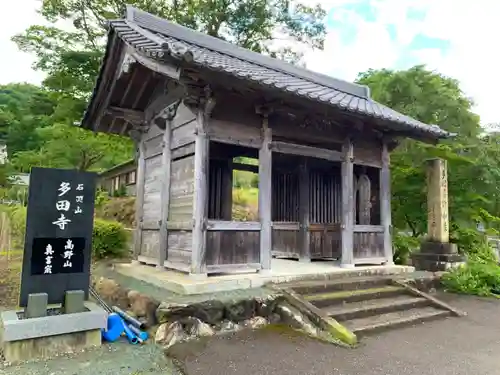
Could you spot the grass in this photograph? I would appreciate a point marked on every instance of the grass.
(10, 279)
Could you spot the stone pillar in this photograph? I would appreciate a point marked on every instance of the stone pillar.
(348, 204)
(436, 252)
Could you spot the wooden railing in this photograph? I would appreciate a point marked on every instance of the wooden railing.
(232, 246)
(368, 244)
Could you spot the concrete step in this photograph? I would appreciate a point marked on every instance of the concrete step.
(351, 283)
(382, 322)
(333, 298)
(371, 307)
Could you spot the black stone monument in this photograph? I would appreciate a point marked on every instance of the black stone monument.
(58, 240)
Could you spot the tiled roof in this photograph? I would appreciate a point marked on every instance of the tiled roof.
(158, 38)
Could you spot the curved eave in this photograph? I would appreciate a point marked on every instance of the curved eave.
(99, 95)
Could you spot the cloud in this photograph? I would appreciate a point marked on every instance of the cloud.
(456, 38)
(15, 66)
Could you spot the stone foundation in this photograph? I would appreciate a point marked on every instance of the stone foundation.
(50, 346)
(437, 256)
(24, 339)
(181, 322)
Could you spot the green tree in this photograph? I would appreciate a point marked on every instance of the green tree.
(4, 176)
(71, 59)
(436, 99)
(23, 109)
(64, 146)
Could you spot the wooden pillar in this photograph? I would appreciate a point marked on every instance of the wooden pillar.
(305, 249)
(139, 195)
(227, 191)
(347, 172)
(200, 210)
(385, 203)
(165, 189)
(265, 190)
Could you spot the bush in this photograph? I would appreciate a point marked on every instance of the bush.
(118, 209)
(403, 246)
(17, 221)
(481, 279)
(109, 239)
(473, 244)
(101, 198)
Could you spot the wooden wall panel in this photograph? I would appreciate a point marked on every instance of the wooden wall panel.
(150, 246)
(368, 153)
(180, 244)
(182, 190)
(152, 189)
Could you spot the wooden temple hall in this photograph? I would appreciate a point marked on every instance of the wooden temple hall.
(195, 104)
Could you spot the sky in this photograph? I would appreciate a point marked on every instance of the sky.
(454, 38)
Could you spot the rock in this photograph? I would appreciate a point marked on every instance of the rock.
(229, 326)
(112, 293)
(170, 334)
(132, 295)
(200, 329)
(239, 311)
(255, 323)
(167, 312)
(211, 312)
(295, 319)
(143, 306)
(274, 318)
(266, 306)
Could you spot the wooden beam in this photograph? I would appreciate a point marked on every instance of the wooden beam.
(265, 190)
(304, 185)
(295, 149)
(201, 160)
(348, 204)
(368, 229)
(226, 268)
(226, 139)
(138, 97)
(286, 225)
(245, 167)
(165, 191)
(125, 69)
(220, 225)
(164, 98)
(227, 190)
(131, 115)
(385, 203)
(169, 70)
(111, 83)
(139, 203)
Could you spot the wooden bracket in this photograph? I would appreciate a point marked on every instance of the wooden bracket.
(264, 110)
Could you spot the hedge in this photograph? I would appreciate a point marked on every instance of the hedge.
(110, 239)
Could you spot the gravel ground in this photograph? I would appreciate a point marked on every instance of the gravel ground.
(118, 358)
(452, 346)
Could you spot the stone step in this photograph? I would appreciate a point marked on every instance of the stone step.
(351, 283)
(371, 307)
(333, 298)
(378, 323)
